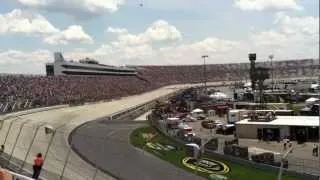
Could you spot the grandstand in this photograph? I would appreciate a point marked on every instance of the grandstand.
(20, 133)
(25, 91)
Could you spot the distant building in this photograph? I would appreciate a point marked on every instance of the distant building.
(303, 128)
(85, 66)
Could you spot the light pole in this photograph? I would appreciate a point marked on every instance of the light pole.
(271, 58)
(204, 71)
(283, 159)
(319, 113)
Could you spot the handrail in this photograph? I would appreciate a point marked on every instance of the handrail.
(14, 175)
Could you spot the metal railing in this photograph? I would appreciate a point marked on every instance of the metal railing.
(9, 107)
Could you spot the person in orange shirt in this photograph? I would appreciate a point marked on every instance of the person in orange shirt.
(37, 166)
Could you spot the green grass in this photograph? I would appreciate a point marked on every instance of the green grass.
(237, 172)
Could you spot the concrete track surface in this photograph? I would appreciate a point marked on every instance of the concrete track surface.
(24, 135)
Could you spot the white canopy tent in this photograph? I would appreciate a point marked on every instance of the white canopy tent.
(311, 100)
(218, 95)
(197, 111)
(248, 84)
(173, 119)
(314, 86)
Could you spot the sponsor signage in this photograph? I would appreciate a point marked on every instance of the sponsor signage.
(206, 165)
(160, 147)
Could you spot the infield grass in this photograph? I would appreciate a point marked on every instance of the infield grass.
(237, 171)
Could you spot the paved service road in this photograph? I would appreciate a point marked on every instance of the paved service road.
(111, 151)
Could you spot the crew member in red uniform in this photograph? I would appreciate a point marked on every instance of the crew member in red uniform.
(37, 166)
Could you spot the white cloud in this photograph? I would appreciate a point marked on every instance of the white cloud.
(84, 8)
(123, 54)
(27, 23)
(269, 38)
(294, 37)
(21, 22)
(139, 46)
(300, 30)
(158, 31)
(260, 5)
(191, 53)
(307, 25)
(15, 57)
(14, 61)
(73, 33)
(161, 31)
(117, 30)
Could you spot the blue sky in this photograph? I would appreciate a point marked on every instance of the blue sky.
(121, 32)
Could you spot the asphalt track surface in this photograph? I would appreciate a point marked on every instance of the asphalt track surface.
(114, 154)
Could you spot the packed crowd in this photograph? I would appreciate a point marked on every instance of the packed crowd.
(46, 91)
(68, 89)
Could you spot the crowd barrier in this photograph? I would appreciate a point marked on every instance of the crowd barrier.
(9, 107)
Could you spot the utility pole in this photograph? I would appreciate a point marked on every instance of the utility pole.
(204, 71)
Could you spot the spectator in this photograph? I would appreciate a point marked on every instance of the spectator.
(37, 166)
(1, 149)
(315, 150)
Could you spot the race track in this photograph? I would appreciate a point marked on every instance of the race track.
(24, 135)
(114, 154)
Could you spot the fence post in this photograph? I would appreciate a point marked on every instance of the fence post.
(7, 134)
(11, 123)
(65, 164)
(5, 108)
(49, 145)
(30, 146)
(13, 107)
(95, 173)
(25, 104)
(16, 142)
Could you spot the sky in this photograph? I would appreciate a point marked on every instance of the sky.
(155, 32)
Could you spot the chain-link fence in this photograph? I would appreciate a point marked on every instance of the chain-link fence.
(24, 138)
